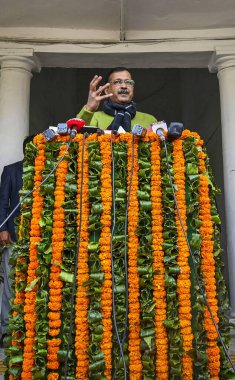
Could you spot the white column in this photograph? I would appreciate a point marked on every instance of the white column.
(15, 76)
(223, 61)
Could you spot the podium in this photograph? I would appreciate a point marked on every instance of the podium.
(117, 269)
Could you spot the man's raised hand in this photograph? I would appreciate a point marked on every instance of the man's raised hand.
(95, 94)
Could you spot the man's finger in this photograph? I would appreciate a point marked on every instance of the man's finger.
(102, 88)
(102, 97)
(95, 81)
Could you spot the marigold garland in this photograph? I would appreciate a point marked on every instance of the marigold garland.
(221, 290)
(55, 282)
(135, 366)
(105, 254)
(193, 222)
(19, 299)
(30, 297)
(159, 290)
(82, 300)
(183, 280)
(20, 274)
(208, 269)
(96, 276)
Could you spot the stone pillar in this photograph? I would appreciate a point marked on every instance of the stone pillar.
(223, 62)
(15, 76)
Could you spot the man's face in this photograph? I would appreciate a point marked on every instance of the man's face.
(122, 91)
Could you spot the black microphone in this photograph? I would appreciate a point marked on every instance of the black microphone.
(175, 130)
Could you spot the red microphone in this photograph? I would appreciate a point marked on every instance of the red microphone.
(75, 125)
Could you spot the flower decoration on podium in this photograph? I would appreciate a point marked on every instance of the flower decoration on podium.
(106, 285)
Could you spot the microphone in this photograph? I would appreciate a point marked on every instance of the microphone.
(138, 130)
(175, 130)
(49, 134)
(159, 127)
(62, 129)
(75, 125)
(160, 133)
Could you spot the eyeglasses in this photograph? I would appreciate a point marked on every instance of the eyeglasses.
(127, 82)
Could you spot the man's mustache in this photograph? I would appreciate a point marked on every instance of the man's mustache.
(123, 91)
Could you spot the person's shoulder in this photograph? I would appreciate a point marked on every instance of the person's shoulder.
(14, 165)
(145, 116)
(138, 113)
(101, 115)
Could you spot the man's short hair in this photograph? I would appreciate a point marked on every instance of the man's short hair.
(116, 70)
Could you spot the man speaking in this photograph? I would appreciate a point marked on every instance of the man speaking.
(118, 106)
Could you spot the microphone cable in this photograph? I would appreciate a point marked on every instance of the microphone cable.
(72, 314)
(193, 260)
(40, 184)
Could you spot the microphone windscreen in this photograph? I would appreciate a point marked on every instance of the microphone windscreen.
(75, 123)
